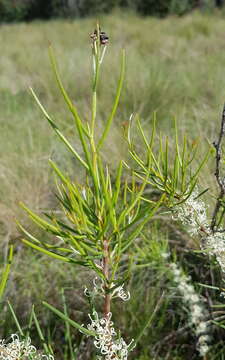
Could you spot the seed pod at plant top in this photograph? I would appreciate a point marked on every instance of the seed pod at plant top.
(104, 39)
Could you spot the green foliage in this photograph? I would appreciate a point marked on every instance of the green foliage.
(162, 8)
(181, 7)
(20, 10)
(76, 8)
(151, 7)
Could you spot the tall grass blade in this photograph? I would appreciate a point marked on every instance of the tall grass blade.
(74, 324)
(6, 271)
(15, 319)
(40, 334)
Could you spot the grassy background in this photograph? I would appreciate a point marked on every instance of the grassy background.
(175, 66)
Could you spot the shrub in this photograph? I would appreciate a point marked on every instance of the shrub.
(14, 10)
(69, 8)
(161, 8)
(19, 10)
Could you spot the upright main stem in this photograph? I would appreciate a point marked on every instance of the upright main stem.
(107, 300)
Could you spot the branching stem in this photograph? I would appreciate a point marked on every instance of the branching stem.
(219, 177)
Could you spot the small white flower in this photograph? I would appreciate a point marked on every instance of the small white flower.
(100, 290)
(194, 298)
(165, 255)
(119, 292)
(203, 350)
(202, 327)
(196, 311)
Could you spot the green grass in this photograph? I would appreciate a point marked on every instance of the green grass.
(174, 66)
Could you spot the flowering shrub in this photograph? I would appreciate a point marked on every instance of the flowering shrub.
(105, 215)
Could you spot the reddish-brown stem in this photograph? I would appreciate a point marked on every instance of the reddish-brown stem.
(107, 300)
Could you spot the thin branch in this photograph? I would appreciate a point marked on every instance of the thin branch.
(219, 177)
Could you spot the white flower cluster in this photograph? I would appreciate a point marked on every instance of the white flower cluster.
(192, 213)
(198, 312)
(99, 289)
(19, 350)
(105, 340)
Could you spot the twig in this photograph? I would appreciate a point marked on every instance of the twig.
(219, 177)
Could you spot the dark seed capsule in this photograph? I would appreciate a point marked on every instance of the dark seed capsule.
(104, 39)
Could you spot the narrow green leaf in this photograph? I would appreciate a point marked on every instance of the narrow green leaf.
(139, 228)
(80, 127)
(33, 238)
(166, 161)
(183, 165)
(60, 135)
(205, 159)
(142, 133)
(177, 143)
(49, 253)
(58, 172)
(118, 183)
(41, 222)
(153, 131)
(201, 193)
(69, 103)
(127, 210)
(107, 197)
(176, 169)
(116, 102)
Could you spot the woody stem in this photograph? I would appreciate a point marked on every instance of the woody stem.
(107, 299)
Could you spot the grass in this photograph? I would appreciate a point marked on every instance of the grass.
(175, 66)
